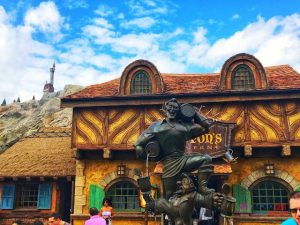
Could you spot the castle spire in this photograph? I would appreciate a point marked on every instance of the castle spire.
(4, 102)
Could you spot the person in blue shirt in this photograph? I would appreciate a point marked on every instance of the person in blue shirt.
(294, 208)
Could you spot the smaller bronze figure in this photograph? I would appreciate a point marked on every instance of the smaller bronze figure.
(181, 205)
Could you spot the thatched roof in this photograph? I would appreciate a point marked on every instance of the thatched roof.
(45, 154)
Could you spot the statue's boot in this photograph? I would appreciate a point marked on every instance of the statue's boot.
(204, 174)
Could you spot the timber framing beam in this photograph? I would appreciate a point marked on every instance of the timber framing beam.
(225, 96)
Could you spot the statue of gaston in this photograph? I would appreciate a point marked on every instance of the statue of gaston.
(171, 134)
(181, 123)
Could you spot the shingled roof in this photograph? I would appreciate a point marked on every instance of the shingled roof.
(48, 153)
(279, 77)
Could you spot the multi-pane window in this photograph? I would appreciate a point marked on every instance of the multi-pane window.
(270, 196)
(124, 196)
(27, 196)
(242, 78)
(140, 83)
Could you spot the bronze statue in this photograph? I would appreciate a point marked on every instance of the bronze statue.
(171, 134)
(165, 141)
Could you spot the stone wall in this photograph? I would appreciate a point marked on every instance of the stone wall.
(246, 171)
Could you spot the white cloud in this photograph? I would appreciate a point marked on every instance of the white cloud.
(167, 63)
(74, 4)
(149, 7)
(143, 22)
(120, 16)
(180, 48)
(150, 3)
(199, 35)
(212, 21)
(103, 23)
(45, 18)
(99, 34)
(274, 41)
(135, 43)
(3, 16)
(104, 10)
(25, 66)
(235, 17)
(101, 51)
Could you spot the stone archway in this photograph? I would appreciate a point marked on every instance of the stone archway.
(280, 174)
(108, 178)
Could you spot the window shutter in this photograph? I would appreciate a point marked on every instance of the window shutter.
(8, 193)
(243, 199)
(44, 196)
(96, 196)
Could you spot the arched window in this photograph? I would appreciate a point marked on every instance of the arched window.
(270, 196)
(140, 83)
(124, 196)
(242, 78)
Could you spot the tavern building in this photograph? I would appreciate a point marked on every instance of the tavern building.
(260, 105)
(261, 102)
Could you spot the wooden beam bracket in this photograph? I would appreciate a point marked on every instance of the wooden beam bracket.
(286, 150)
(248, 151)
(107, 153)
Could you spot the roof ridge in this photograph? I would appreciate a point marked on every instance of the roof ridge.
(109, 81)
(190, 74)
(278, 66)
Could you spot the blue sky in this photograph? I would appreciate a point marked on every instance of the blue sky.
(93, 41)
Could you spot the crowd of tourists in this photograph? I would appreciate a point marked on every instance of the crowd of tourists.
(102, 217)
(105, 215)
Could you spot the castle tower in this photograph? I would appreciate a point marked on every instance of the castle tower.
(52, 70)
(48, 87)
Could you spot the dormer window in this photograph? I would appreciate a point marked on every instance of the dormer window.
(243, 72)
(242, 78)
(141, 77)
(140, 83)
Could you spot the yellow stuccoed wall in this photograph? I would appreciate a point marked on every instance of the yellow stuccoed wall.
(245, 167)
(264, 122)
(96, 170)
(267, 118)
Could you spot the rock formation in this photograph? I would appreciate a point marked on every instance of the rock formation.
(19, 120)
